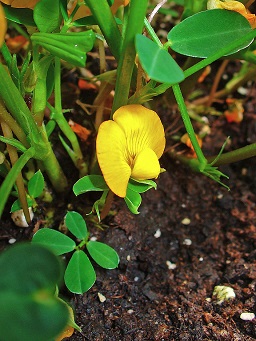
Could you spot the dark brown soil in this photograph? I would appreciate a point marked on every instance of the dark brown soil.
(145, 300)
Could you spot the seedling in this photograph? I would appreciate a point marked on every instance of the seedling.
(79, 274)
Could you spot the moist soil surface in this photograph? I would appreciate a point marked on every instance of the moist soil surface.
(191, 235)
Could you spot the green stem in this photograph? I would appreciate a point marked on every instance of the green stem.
(222, 52)
(58, 116)
(102, 13)
(152, 33)
(127, 58)
(10, 179)
(235, 155)
(188, 125)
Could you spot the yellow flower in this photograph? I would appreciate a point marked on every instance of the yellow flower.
(130, 146)
(235, 6)
(3, 25)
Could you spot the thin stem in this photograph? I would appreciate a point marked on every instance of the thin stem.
(216, 81)
(188, 125)
(235, 155)
(9, 181)
(19, 180)
(127, 58)
(222, 52)
(152, 33)
(102, 13)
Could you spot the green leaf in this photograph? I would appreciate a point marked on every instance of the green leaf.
(17, 206)
(90, 183)
(36, 318)
(36, 184)
(86, 21)
(76, 225)
(47, 15)
(27, 268)
(141, 186)
(71, 46)
(79, 275)
(157, 62)
(103, 254)
(205, 33)
(133, 201)
(56, 241)
(22, 16)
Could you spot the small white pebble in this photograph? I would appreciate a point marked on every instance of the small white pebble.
(183, 205)
(223, 293)
(247, 316)
(170, 265)
(130, 238)
(128, 258)
(12, 241)
(187, 242)
(157, 233)
(136, 279)
(93, 239)
(130, 311)
(102, 298)
(208, 299)
(242, 91)
(201, 259)
(186, 221)
(220, 196)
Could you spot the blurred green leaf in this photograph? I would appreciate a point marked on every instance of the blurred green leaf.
(157, 62)
(103, 254)
(205, 33)
(132, 200)
(79, 275)
(90, 183)
(76, 224)
(56, 241)
(36, 184)
(30, 309)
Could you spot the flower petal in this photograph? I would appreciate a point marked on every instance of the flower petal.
(112, 157)
(142, 127)
(146, 165)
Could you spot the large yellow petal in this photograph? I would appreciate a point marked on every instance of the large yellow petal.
(142, 127)
(146, 165)
(3, 25)
(112, 157)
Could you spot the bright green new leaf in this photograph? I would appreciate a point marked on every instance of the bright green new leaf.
(17, 206)
(103, 254)
(22, 16)
(205, 33)
(90, 183)
(56, 241)
(36, 184)
(76, 225)
(141, 186)
(157, 62)
(132, 200)
(79, 275)
(71, 46)
(47, 15)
